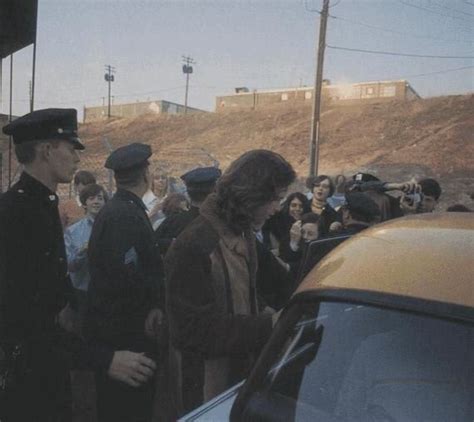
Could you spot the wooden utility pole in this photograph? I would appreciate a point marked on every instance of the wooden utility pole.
(109, 78)
(187, 70)
(315, 121)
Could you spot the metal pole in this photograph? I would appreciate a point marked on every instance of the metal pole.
(10, 119)
(32, 103)
(110, 88)
(315, 121)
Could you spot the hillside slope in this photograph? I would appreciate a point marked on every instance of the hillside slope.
(396, 139)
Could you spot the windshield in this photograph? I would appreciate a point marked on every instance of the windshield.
(359, 363)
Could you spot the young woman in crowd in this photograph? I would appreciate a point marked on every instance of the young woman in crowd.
(302, 232)
(322, 188)
(276, 231)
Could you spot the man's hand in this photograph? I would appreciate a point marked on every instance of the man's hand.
(131, 368)
(153, 323)
(335, 227)
(68, 320)
(408, 207)
(406, 187)
(83, 249)
(295, 232)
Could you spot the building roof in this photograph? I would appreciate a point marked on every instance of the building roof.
(427, 256)
(310, 88)
(17, 25)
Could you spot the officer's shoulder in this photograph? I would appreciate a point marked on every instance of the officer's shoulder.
(14, 197)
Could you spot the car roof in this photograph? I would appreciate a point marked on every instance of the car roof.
(425, 256)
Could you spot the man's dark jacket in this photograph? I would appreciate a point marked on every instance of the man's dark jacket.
(126, 274)
(34, 287)
(172, 226)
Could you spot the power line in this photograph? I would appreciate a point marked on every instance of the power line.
(438, 72)
(86, 100)
(426, 9)
(453, 10)
(390, 53)
(392, 31)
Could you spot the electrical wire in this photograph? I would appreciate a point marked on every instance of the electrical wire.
(335, 4)
(438, 72)
(390, 53)
(453, 10)
(433, 11)
(392, 31)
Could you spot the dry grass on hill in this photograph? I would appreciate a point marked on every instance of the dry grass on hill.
(395, 139)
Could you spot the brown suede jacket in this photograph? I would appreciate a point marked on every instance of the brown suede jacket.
(211, 300)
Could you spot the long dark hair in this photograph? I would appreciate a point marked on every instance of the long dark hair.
(285, 209)
(251, 181)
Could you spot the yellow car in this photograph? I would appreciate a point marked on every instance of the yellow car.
(380, 330)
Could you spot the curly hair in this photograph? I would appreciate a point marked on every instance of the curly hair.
(285, 209)
(252, 180)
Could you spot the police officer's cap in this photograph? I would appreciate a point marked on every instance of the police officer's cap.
(129, 156)
(47, 124)
(201, 178)
(361, 204)
(365, 177)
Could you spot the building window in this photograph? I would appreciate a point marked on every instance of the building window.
(387, 91)
(308, 95)
(284, 97)
(369, 90)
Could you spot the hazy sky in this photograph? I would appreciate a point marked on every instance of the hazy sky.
(255, 43)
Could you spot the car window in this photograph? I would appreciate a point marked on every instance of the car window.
(358, 363)
(316, 251)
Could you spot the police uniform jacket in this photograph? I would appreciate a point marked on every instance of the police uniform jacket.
(33, 289)
(126, 273)
(33, 269)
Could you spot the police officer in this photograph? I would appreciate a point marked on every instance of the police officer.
(359, 213)
(126, 280)
(36, 353)
(200, 182)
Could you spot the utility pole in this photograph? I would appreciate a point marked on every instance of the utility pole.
(30, 86)
(109, 77)
(187, 70)
(315, 121)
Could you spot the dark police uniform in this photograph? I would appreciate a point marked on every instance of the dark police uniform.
(126, 279)
(34, 287)
(360, 204)
(201, 179)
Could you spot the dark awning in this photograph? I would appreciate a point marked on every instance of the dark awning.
(17, 25)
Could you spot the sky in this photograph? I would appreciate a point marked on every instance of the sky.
(260, 44)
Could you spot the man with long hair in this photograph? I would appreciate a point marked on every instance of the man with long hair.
(215, 324)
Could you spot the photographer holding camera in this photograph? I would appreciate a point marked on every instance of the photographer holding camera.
(423, 199)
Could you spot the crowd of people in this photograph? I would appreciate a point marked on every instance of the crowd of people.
(166, 297)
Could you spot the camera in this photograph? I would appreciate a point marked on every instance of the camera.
(413, 199)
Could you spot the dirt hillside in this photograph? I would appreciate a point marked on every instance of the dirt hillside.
(395, 140)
